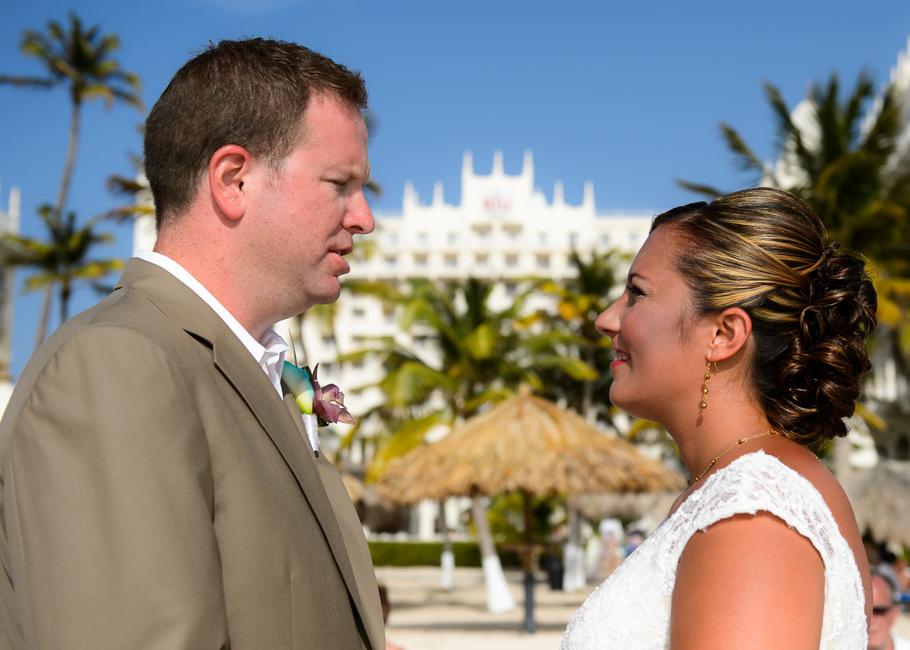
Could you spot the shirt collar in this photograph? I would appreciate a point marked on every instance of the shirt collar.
(269, 351)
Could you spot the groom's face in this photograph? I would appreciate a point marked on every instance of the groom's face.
(315, 204)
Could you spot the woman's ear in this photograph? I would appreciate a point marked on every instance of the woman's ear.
(227, 176)
(731, 329)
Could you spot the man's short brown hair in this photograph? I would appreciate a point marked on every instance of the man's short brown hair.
(251, 93)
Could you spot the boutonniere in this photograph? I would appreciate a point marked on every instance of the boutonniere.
(319, 405)
(324, 403)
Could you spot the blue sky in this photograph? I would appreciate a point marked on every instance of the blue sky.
(625, 94)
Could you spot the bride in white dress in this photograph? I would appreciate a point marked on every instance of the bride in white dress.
(762, 550)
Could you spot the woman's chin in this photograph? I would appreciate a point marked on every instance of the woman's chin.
(622, 402)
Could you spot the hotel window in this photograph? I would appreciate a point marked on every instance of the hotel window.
(511, 289)
(423, 238)
(573, 239)
(482, 235)
(511, 261)
(359, 312)
(513, 234)
(420, 259)
(542, 238)
(482, 261)
(451, 261)
(391, 261)
(392, 239)
(452, 238)
(543, 261)
(605, 239)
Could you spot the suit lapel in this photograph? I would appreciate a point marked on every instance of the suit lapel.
(282, 422)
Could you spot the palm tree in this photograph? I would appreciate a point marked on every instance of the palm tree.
(579, 302)
(80, 60)
(841, 162)
(63, 258)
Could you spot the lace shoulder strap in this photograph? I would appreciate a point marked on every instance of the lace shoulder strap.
(751, 483)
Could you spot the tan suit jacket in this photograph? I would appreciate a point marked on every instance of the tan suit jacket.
(157, 493)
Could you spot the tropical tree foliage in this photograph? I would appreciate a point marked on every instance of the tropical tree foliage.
(465, 356)
(137, 191)
(80, 60)
(63, 258)
(840, 156)
(840, 164)
(579, 302)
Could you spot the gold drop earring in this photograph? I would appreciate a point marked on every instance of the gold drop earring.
(704, 390)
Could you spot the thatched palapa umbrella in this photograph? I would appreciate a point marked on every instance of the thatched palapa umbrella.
(880, 497)
(525, 444)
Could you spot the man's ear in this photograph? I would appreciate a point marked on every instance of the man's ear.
(731, 330)
(229, 168)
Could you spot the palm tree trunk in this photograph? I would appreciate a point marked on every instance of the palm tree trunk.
(70, 157)
(499, 597)
(65, 292)
(41, 332)
(573, 579)
(447, 562)
(587, 398)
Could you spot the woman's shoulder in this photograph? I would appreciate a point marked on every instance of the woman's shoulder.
(768, 537)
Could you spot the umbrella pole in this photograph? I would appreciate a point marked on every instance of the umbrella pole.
(528, 561)
(529, 602)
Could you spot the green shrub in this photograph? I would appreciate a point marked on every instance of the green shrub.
(467, 554)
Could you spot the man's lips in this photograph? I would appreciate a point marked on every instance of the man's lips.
(341, 252)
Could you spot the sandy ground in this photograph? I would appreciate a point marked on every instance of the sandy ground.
(425, 617)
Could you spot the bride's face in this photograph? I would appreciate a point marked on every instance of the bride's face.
(660, 352)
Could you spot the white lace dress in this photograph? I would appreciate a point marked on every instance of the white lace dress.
(631, 609)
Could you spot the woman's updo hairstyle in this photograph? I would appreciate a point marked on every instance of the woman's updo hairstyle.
(812, 306)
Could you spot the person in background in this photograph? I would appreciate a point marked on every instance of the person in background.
(386, 608)
(885, 611)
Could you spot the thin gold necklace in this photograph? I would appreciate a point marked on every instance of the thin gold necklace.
(770, 432)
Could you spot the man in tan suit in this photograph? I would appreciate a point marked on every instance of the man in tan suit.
(158, 487)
